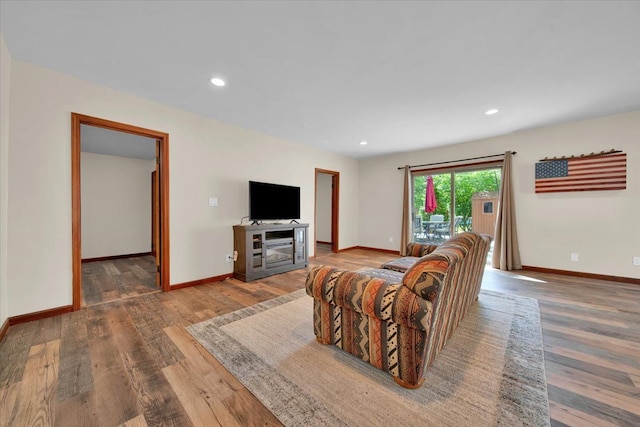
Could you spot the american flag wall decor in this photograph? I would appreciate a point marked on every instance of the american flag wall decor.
(585, 173)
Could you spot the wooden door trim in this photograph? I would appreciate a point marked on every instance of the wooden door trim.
(335, 209)
(76, 235)
(154, 211)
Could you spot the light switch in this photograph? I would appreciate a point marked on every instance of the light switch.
(213, 201)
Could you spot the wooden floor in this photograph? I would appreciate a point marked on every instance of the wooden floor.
(323, 249)
(131, 362)
(110, 280)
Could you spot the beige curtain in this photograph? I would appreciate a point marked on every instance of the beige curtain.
(506, 255)
(406, 212)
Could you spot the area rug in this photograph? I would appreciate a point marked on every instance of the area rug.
(490, 373)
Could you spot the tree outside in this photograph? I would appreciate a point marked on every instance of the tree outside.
(442, 187)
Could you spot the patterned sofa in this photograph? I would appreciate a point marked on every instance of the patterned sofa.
(399, 322)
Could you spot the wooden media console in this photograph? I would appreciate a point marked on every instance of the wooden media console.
(267, 249)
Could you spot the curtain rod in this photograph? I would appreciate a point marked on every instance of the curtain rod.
(456, 161)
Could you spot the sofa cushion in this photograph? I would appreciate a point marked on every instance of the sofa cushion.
(382, 273)
(425, 276)
(400, 264)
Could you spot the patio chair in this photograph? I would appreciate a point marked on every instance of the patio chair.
(418, 232)
(430, 226)
(443, 231)
(457, 223)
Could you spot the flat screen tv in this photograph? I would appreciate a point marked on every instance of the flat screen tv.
(273, 201)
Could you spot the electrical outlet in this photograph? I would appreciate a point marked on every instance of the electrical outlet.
(390, 239)
(229, 258)
(574, 257)
(636, 260)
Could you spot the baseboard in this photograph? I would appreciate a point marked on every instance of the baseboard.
(324, 243)
(4, 329)
(581, 274)
(107, 258)
(200, 282)
(29, 317)
(386, 251)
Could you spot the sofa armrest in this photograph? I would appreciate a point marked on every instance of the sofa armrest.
(426, 277)
(374, 297)
(418, 250)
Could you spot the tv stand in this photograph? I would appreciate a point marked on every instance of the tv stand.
(268, 249)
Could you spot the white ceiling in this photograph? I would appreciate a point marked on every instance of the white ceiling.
(104, 141)
(400, 75)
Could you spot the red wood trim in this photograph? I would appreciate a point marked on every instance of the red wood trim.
(163, 179)
(28, 317)
(76, 237)
(201, 281)
(349, 249)
(315, 213)
(324, 243)
(108, 124)
(154, 206)
(335, 208)
(618, 279)
(386, 251)
(4, 329)
(107, 258)
(335, 212)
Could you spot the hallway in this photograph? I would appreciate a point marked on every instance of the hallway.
(110, 280)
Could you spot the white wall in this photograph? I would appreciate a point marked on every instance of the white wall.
(5, 86)
(213, 159)
(598, 225)
(116, 205)
(323, 208)
(207, 159)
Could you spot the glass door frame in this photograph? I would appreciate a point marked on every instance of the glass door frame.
(452, 170)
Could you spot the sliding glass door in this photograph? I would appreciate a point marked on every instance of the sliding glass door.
(465, 199)
(431, 223)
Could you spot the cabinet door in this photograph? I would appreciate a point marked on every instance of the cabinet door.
(257, 248)
(301, 245)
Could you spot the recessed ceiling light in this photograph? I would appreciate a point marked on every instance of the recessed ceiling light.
(363, 142)
(491, 112)
(217, 82)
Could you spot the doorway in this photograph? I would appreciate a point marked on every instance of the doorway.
(162, 198)
(327, 192)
